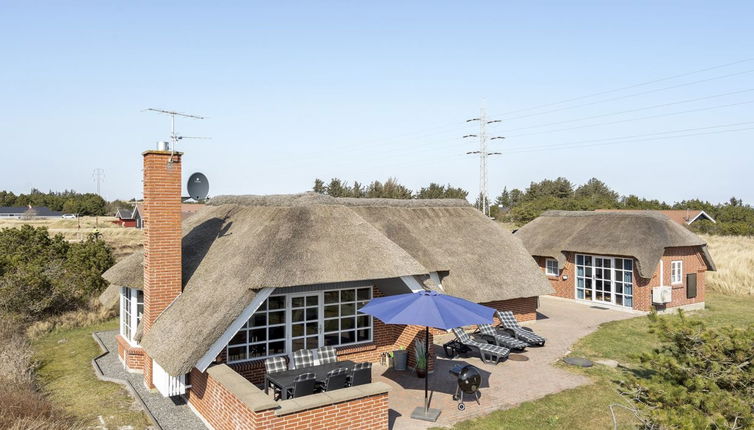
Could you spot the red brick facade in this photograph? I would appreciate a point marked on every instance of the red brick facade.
(224, 411)
(131, 356)
(693, 262)
(162, 238)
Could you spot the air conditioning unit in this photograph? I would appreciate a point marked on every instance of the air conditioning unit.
(662, 295)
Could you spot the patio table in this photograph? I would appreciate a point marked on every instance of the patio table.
(285, 378)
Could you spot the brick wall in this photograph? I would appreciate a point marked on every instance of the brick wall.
(563, 288)
(131, 356)
(525, 309)
(162, 238)
(693, 262)
(223, 410)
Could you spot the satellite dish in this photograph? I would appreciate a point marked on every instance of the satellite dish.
(198, 186)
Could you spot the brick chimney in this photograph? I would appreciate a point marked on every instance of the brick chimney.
(162, 240)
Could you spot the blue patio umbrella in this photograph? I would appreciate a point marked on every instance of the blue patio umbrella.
(429, 309)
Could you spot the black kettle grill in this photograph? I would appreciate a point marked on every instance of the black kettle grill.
(469, 380)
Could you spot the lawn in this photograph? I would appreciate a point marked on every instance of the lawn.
(68, 378)
(588, 407)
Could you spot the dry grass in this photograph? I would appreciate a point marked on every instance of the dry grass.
(124, 241)
(22, 406)
(94, 313)
(734, 256)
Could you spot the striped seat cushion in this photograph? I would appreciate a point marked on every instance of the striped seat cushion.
(275, 364)
(501, 339)
(508, 321)
(327, 355)
(465, 339)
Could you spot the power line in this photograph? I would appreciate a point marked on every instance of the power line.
(691, 100)
(630, 95)
(640, 84)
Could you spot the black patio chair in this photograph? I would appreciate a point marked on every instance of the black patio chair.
(303, 385)
(488, 353)
(335, 380)
(500, 338)
(361, 374)
(508, 323)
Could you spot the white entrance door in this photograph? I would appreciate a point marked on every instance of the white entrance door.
(304, 321)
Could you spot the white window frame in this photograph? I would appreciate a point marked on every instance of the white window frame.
(613, 280)
(129, 318)
(676, 272)
(320, 323)
(547, 267)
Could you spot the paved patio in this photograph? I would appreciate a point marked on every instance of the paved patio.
(523, 377)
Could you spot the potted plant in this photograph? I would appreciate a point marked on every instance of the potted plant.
(420, 353)
(400, 358)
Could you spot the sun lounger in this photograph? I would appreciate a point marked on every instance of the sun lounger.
(489, 353)
(500, 338)
(508, 323)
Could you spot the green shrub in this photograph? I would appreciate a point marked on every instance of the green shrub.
(699, 377)
(42, 275)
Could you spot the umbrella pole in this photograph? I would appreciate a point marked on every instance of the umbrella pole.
(426, 364)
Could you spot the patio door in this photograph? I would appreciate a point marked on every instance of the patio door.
(305, 321)
(603, 280)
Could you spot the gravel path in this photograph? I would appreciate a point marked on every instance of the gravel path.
(170, 413)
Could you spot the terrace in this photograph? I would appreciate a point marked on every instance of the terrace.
(523, 377)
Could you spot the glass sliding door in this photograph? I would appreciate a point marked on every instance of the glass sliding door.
(304, 321)
(604, 279)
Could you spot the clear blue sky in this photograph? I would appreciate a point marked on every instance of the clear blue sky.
(295, 91)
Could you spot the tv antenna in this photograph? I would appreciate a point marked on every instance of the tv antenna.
(174, 137)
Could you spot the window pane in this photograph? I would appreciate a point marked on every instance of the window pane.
(297, 302)
(362, 320)
(618, 299)
(580, 259)
(259, 350)
(297, 315)
(629, 302)
(312, 314)
(239, 338)
(627, 290)
(331, 325)
(312, 300)
(619, 263)
(311, 328)
(580, 283)
(258, 335)
(277, 332)
(627, 277)
(362, 335)
(588, 272)
(238, 353)
(588, 261)
(347, 337)
(360, 305)
(364, 293)
(331, 311)
(580, 294)
(348, 309)
(628, 264)
(277, 317)
(312, 342)
(332, 339)
(277, 347)
(347, 323)
(277, 302)
(331, 296)
(297, 344)
(297, 330)
(259, 320)
(347, 295)
(580, 271)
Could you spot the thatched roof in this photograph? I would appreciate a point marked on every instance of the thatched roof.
(239, 244)
(128, 272)
(642, 235)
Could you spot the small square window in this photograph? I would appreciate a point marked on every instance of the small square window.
(551, 267)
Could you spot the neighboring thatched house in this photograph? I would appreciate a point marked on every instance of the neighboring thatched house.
(629, 259)
(249, 277)
(681, 216)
